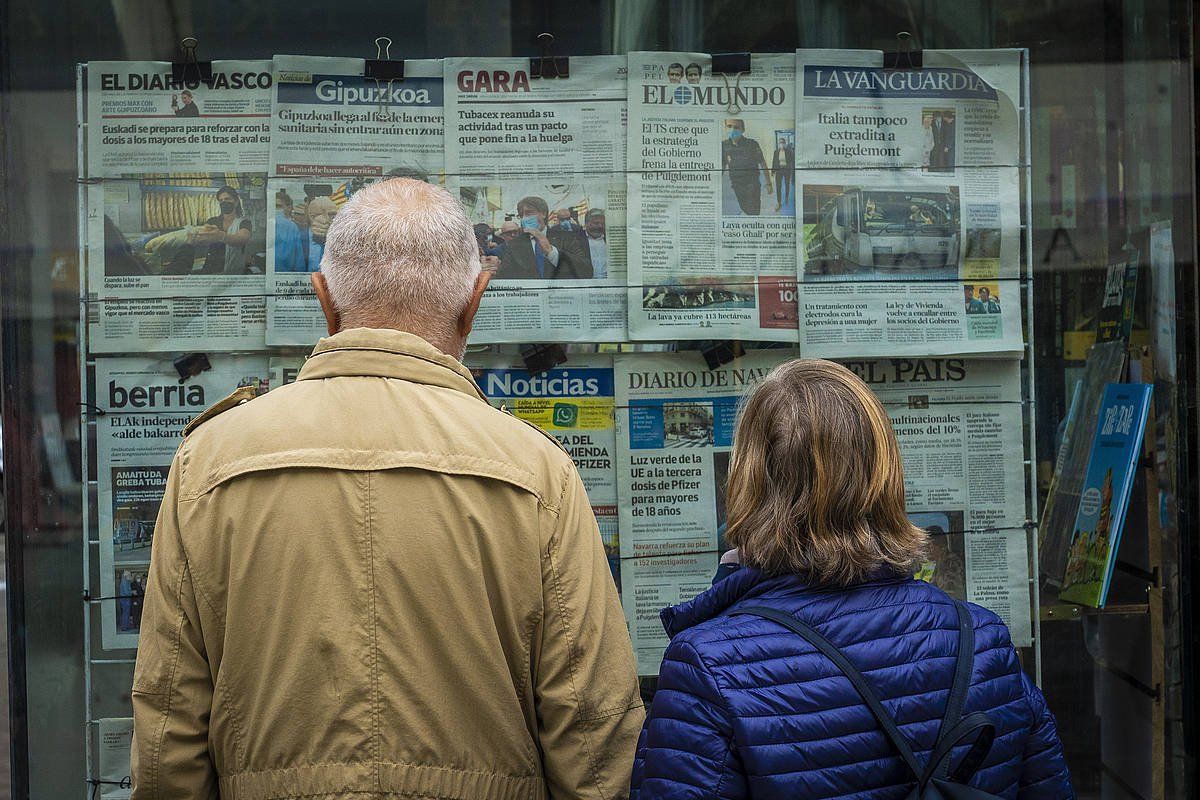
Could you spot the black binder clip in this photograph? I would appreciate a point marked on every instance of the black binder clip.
(548, 65)
(904, 57)
(541, 358)
(730, 63)
(189, 71)
(719, 353)
(191, 365)
(383, 67)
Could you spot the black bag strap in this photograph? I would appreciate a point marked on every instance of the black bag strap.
(962, 678)
(852, 674)
(954, 728)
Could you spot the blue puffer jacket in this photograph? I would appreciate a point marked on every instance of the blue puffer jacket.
(745, 708)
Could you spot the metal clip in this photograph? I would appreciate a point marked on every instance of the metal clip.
(904, 57)
(383, 68)
(737, 65)
(548, 65)
(189, 71)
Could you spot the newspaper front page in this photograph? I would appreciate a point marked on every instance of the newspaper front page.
(574, 403)
(909, 185)
(539, 164)
(333, 132)
(712, 198)
(176, 209)
(145, 410)
(959, 426)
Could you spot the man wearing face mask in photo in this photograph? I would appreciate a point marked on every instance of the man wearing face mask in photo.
(538, 252)
(226, 235)
(567, 222)
(742, 158)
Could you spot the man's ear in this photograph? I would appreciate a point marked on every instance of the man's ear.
(333, 320)
(467, 318)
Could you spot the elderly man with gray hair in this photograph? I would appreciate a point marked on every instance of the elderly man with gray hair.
(370, 583)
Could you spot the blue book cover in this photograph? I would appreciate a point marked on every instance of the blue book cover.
(1112, 466)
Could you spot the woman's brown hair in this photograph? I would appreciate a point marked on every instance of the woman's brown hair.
(816, 486)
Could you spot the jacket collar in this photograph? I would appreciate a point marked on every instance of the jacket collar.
(744, 584)
(387, 353)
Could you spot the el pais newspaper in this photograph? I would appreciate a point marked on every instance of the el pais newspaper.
(176, 206)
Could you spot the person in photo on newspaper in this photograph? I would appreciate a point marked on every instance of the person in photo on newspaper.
(294, 645)
(538, 252)
(742, 158)
(289, 239)
(227, 235)
(783, 165)
(184, 105)
(748, 702)
(595, 228)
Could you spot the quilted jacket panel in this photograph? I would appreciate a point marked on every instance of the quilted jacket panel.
(748, 709)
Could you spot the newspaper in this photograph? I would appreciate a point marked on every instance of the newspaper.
(712, 199)
(909, 185)
(539, 163)
(145, 407)
(176, 262)
(333, 132)
(648, 585)
(114, 743)
(958, 423)
(574, 403)
(176, 209)
(141, 120)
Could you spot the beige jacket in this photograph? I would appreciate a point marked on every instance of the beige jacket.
(371, 584)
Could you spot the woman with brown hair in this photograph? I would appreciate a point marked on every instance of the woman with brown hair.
(820, 668)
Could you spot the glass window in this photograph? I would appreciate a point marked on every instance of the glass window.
(1101, 235)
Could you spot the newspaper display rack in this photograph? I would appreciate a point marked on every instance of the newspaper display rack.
(241, 335)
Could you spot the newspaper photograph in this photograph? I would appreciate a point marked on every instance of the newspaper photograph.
(539, 164)
(675, 420)
(648, 585)
(140, 119)
(902, 262)
(177, 261)
(334, 131)
(712, 198)
(114, 742)
(574, 403)
(960, 109)
(145, 407)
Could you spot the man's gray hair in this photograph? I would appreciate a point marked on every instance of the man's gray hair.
(401, 253)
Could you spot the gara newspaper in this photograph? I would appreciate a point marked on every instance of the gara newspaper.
(539, 164)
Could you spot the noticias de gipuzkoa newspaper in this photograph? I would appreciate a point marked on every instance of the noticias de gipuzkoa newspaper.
(909, 204)
(145, 408)
(539, 164)
(958, 422)
(712, 213)
(335, 131)
(169, 267)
